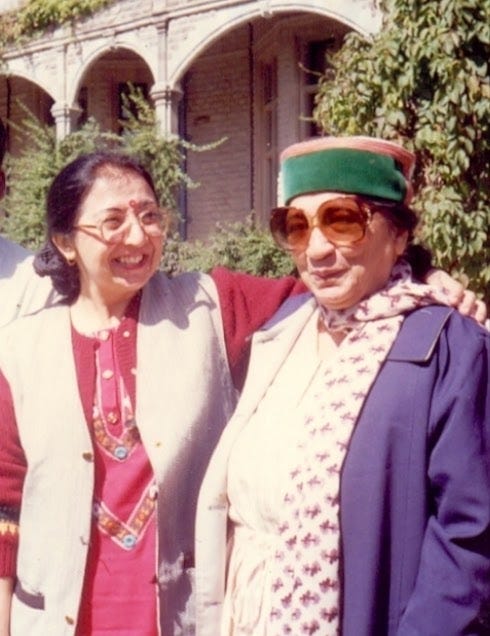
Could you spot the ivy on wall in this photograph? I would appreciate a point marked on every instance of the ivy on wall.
(36, 16)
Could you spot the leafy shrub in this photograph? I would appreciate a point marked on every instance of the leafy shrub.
(239, 246)
(162, 156)
(29, 176)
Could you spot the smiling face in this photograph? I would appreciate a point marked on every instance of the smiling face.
(339, 277)
(112, 273)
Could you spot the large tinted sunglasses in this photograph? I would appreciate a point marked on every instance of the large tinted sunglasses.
(342, 221)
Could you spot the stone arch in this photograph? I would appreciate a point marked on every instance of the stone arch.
(228, 91)
(13, 72)
(211, 27)
(101, 50)
(17, 93)
(97, 87)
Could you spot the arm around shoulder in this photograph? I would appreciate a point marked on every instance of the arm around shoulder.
(246, 303)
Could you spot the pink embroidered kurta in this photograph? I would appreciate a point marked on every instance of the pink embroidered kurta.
(245, 302)
(120, 591)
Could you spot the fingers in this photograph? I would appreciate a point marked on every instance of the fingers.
(470, 305)
(480, 313)
(466, 305)
(465, 300)
(451, 287)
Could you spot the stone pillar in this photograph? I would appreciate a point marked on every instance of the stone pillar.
(166, 100)
(65, 118)
(165, 97)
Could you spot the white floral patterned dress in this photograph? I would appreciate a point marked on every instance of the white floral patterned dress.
(258, 473)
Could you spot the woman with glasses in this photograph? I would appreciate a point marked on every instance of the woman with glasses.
(110, 405)
(350, 492)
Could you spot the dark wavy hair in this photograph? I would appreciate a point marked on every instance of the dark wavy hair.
(404, 218)
(65, 196)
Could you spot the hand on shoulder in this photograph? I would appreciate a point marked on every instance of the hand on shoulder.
(464, 300)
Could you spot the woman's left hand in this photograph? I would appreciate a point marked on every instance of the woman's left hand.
(463, 299)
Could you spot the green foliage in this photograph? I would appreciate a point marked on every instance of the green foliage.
(29, 176)
(239, 246)
(36, 16)
(424, 81)
(161, 156)
(24, 223)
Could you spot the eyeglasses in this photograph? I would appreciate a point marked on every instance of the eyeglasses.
(116, 226)
(342, 221)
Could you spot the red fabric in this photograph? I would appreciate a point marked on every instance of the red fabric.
(120, 592)
(12, 472)
(247, 302)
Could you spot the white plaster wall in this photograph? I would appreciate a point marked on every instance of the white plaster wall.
(9, 5)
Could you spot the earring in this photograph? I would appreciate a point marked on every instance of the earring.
(71, 262)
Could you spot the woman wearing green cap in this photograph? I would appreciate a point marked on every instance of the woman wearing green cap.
(352, 486)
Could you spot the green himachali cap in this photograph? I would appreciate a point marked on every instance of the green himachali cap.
(353, 165)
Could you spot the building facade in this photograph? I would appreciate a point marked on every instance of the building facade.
(233, 69)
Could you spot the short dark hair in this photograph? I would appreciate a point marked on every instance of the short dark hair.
(404, 218)
(3, 141)
(65, 196)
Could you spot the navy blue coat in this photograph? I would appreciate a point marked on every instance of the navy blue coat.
(415, 487)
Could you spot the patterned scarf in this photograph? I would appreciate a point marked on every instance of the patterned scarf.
(305, 593)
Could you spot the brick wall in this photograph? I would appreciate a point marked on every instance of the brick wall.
(28, 98)
(102, 83)
(217, 94)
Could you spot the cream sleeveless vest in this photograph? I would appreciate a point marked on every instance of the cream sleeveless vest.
(184, 398)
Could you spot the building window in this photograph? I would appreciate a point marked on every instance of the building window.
(268, 137)
(83, 105)
(314, 64)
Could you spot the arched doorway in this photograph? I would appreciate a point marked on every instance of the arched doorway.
(19, 99)
(104, 83)
(255, 87)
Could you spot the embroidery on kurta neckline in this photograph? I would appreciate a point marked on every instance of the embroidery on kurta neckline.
(119, 448)
(126, 534)
(8, 528)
